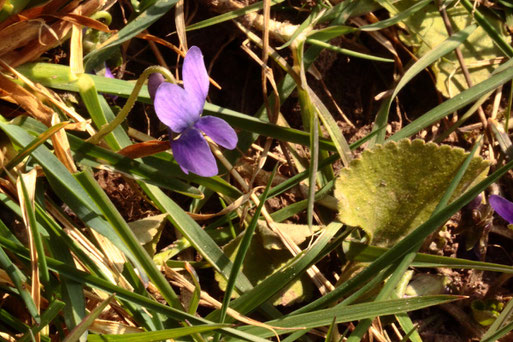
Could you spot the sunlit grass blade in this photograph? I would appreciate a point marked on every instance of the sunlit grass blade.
(243, 249)
(343, 149)
(330, 32)
(129, 166)
(429, 58)
(127, 236)
(396, 19)
(348, 52)
(91, 99)
(65, 186)
(453, 104)
(41, 139)
(130, 30)
(160, 335)
(294, 208)
(201, 241)
(85, 278)
(353, 312)
(498, 333)
(59, 77)
(497, 38)
(82, 328)
(230, 15)
(364, 253)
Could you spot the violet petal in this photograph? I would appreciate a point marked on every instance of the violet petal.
(192, 153)
(195, 78)
(218, 130)
(154, 81)
(108, 72)
(173, 107)
(503, 207)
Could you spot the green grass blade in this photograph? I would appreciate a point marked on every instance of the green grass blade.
(160, 335)
(90, 97)
(198, 238)
(127, 236)
(262, 292)
(495, 331)
(34, 231)
(41, 139)
(47, 317)
(65, 186)
(349, 313)
(230, 15)
(82, 328)
(453, 104)
(396, 19)
(58, 76)
(497, 38)
(130, 30)
(343, 149)
(243, 249)
(19, 280)
(429, 58)
(348, 52)
(128, 166)
(364, 253)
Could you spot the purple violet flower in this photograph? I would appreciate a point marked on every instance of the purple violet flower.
(180, 109)
(503, 207)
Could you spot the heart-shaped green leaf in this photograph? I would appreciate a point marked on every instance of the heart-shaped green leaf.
(393, 188)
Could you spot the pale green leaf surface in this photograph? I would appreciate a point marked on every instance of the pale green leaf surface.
(394, 188)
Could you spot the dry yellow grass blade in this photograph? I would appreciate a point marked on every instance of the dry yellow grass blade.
(30, 183)
(61, 147)
(102, 326)
(181, 281)
(12, 92)
(76, 60)
(180, 24)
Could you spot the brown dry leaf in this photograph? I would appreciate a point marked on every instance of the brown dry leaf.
(46, 32)
(12, 92)
(5, 279)
(144, 149)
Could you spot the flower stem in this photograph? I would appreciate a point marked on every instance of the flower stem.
(123, 113)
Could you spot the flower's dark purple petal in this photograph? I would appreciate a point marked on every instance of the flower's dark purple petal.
(219, 130)
(192, 153)
(503, 207)
(154, 81)
(195, 78)
(173, 107)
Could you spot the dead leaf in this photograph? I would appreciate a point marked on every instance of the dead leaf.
(12, 92)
